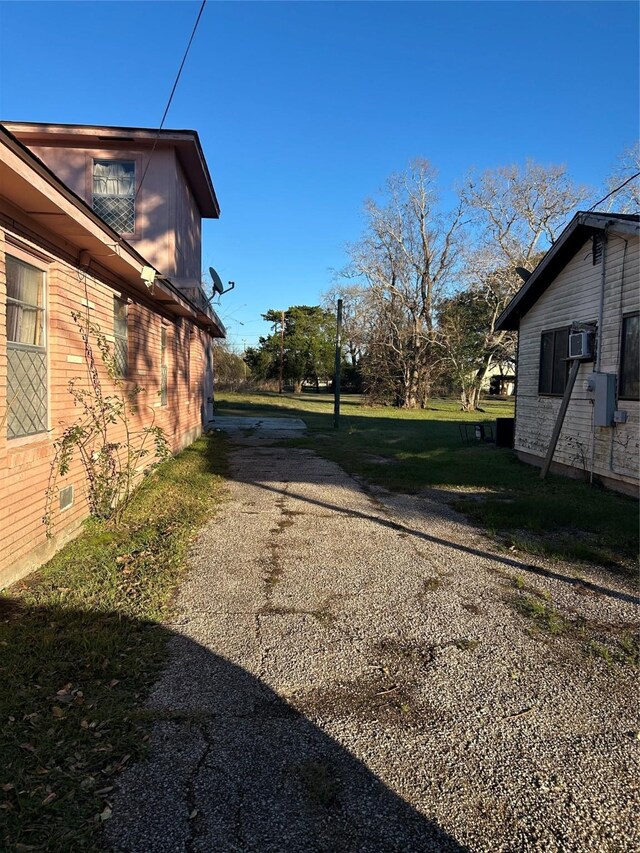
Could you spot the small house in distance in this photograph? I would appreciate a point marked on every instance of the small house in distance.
(582, 302)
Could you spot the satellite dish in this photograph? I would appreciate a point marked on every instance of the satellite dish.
(218, 286)
(523, 273)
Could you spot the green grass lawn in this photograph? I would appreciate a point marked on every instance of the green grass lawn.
(80, 647)
(412, 450)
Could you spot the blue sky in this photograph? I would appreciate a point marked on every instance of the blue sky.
(303, 109)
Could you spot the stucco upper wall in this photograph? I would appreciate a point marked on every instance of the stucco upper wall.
(188, 232)
(574, 296)
(155, 203)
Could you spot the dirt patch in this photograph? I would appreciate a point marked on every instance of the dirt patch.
(323, 614)
(380, 460)
(376, 698)
(431, 584)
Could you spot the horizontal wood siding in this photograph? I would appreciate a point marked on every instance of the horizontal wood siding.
(574, 297)
(26, 463)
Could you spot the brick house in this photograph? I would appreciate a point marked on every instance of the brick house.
(105, 222)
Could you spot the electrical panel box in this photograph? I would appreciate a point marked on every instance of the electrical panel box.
(602, 390)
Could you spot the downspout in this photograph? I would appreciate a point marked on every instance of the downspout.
(603, 271)
(603, 268)
(619, 346)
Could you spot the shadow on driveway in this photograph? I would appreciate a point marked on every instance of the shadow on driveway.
(233, 767)
(487, 555)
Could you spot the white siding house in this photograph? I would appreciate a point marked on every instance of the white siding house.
(590, 278)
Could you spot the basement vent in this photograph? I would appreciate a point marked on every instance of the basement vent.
(596, 248)
(66, 497)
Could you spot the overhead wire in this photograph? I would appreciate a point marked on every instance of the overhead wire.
(173, 91)
(613, 192)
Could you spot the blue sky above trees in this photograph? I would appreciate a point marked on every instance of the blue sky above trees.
(305, 108)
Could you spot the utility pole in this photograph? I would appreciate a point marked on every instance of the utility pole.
(336, 381)
(244, 357)
(281, 384)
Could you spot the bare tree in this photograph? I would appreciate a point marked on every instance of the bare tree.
(518, 212)
(405, 259)
(627, 199)
(356, 317)
(521, 209)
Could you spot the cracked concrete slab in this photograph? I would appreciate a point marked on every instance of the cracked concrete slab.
(273, 426)
(348, 674)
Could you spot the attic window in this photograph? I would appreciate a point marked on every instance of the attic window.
(596, 248)
(114, 193)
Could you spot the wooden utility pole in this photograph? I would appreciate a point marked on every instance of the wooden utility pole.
(336, 381)
(281, 383)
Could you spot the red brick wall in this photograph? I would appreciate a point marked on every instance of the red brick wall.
(26, 463)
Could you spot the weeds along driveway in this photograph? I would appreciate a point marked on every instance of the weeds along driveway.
(360, 671)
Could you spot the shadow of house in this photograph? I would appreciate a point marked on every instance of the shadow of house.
(232, 766)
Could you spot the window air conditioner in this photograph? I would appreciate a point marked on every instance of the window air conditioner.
(580, 345)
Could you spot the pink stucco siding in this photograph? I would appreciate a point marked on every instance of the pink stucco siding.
(167, 220)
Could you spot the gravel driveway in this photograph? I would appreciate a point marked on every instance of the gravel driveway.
(356, 671)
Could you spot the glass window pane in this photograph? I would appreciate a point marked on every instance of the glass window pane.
(120, 316)
(26, 358)
(121, 348)
(546, 363)
(24, 283)
(114, 190)
(121, 357)
(630, 368)
(119, 213)
(114, 177)
(560, 363)
(25, 325)
(25, 303)
(26, 391)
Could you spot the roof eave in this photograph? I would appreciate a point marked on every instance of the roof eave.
(186, 141)
(582, 226)
(94, 226)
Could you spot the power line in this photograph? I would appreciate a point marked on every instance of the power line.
(173, 91)
(613, 192)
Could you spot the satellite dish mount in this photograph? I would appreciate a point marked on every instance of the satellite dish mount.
(218, 286)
